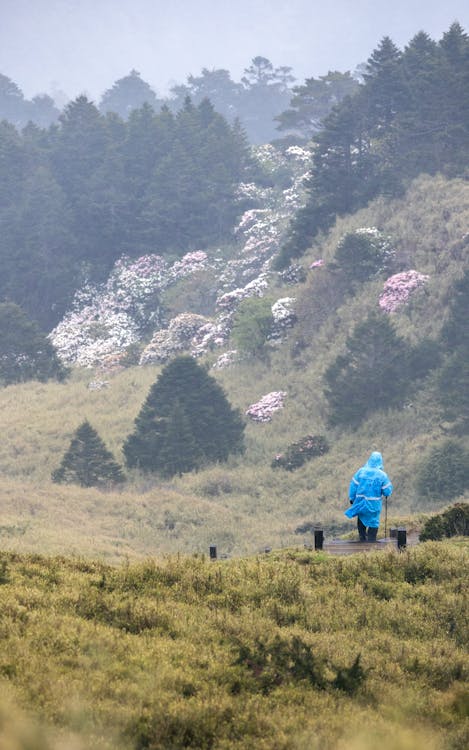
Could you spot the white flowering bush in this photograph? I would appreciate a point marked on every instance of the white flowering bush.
(180, 336)
(106, 319)
(284, 316)
(263, 409)
(398, 289)
(226, 360)
(110, 319)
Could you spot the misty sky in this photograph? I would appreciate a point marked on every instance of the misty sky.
(85, 45)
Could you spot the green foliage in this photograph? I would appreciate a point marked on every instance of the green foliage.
(252, 324)
(409, 116)
(87, 461)
(350, 679)
(185, 653)
(313, 101)
(25, 352)
(453, 381)
(185, 422)
(371, 375)
(452, 522)
(301, 451)
(76, 198)
(443, 472)
(274, 663)
(126, 94)
(363, 254)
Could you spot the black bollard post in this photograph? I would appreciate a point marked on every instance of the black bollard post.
(318, 538)
(401, 538)
(213, 552)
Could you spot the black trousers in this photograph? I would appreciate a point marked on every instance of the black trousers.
(366, 536)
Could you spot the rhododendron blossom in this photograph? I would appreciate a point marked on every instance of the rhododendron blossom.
(263, 410)
(398, 289)
(108, 319)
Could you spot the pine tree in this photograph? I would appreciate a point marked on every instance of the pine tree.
(25, 352)
(127, 94)
(372, 374)
(314, 100)
(87, 462)
(186, 421)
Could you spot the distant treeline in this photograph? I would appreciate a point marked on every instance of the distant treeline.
(97, 183)
(409, 116)
(258, 100)
(75, 197)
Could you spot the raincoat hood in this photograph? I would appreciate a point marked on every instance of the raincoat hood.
(375, 461)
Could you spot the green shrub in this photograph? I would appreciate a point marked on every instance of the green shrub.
(452, 522)
(364, 253)
(252, 325)
(279, 661)
(301, 451)
(444, 472)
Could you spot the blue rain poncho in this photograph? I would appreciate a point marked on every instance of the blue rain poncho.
(366, 488)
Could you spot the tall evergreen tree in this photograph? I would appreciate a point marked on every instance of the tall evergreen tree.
(185, 422)
(25, 352)
(314, 100)
(87, 461)
(372, 374)
(127, 94)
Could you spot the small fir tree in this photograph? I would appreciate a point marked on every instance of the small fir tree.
(186, 421)
(87, 462)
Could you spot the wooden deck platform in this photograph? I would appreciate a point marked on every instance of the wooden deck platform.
(354, 546)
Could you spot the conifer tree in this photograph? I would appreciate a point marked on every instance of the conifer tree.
(25, 352)
(87, 461)
(185, 422)
(372, 374)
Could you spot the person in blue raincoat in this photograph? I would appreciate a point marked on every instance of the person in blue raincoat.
(367, 487)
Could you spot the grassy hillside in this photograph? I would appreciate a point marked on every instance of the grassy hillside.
(292, 651)
(245, 504)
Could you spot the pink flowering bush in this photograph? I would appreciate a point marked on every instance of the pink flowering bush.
(263, 410)
(398, 289)
(226, 360)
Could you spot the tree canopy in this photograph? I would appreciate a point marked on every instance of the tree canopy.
(78, 196)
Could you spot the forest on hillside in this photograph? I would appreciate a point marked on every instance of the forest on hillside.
(94, 186)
